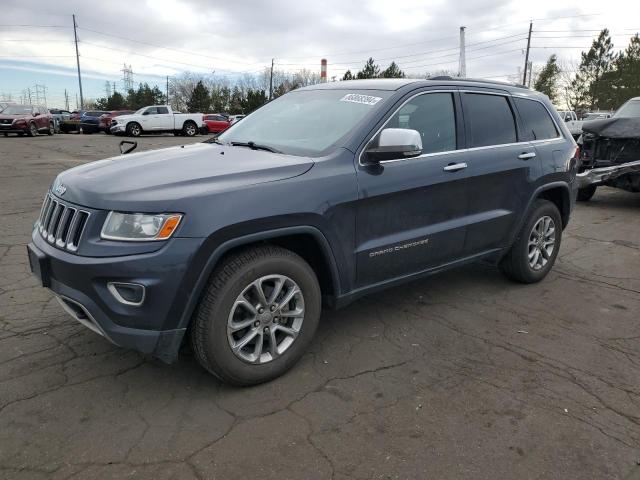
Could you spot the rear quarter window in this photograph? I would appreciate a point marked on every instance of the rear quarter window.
(489, 120)
(536, 121)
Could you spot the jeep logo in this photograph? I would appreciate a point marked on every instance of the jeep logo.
(60, 189)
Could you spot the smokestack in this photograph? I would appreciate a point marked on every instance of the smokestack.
(323, 70)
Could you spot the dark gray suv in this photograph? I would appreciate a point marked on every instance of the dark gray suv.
(321, 196)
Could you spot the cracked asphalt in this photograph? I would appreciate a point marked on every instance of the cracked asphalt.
(461, 375)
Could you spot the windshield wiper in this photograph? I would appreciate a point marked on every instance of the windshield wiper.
(213, 140)
(255, 146)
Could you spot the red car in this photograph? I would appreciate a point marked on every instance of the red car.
(215, 122)
(105, 120)
(27, 119)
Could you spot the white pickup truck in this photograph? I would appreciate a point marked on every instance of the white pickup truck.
(157, 119)
(573, 124)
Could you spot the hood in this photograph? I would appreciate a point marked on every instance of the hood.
(139, 181)
(620, 127)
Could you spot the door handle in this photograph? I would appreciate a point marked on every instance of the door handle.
(526, 155)
(454, 167)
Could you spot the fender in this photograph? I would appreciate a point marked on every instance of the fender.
(534, 196)
(224, 247)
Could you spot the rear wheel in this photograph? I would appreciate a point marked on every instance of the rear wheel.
(535, 249)
(134, 129)
(33, 130)
(189, 129)
(257, 315)
(585, 194)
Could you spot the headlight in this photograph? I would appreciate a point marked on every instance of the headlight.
(140, 226)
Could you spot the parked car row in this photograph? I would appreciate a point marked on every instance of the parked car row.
(575, 125)
(29, 119)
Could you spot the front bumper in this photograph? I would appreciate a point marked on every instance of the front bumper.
(117, 128)
(599, 176)
(81, 285)
(14, 128)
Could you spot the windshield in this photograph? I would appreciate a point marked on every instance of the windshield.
(16, 110)
(139, 112)
(629, 110)
(306, 122)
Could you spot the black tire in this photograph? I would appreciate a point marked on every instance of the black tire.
(189, 129)
(209, 326)
(515, 264)
(52, 129)
(585, 194)
(33, 130)
(134, 129)
(6, 134)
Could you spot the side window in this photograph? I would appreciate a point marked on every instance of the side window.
(489, 120)
(537, 123)
(163, 110)
(433, 116)
(151, 111)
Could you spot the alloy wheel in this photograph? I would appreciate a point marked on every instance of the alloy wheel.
(265, 319)
(542, 242)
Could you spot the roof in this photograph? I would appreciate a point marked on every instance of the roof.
(397, 83)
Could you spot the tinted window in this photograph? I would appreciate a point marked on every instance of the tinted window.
(151, 111)
(433, 116)
(489, 120)
(163, 110)
(537, 123)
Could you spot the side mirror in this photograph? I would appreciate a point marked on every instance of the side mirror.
(393, 144)
(124, 150)
(35, 114)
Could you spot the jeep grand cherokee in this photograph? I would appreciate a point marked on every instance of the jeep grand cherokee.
(325, 194)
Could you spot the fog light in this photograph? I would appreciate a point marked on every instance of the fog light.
(127, 293)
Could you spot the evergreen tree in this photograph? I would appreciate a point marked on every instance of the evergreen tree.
(348, 75)
(220, 99)
(370, 70)
(548, 78)
(392, 71)
(199, 101)
(236, 101)
(586, 87)
(623, 82)
(144, 96)
(255, 99)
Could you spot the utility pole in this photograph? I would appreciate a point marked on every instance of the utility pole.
(75, 36)
(114, 86)
(271, 81)
(526, 58)
(530, 74)
(462, 64)
(29, 93)
(167, 89)
(66, 100)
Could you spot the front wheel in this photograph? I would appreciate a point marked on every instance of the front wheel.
(33, 130)
(257, 316)
(190, 129)
(536, 247)
(134, 129)
(585, 194)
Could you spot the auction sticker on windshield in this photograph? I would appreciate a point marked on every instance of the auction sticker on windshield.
(357, 98)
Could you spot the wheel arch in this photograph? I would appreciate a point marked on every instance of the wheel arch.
(307, 241)
(559, 194)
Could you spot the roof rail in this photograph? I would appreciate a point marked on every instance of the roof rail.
(477, 80)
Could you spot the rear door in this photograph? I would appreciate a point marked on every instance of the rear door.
(165, 119)
(502, 169)
(410, 212)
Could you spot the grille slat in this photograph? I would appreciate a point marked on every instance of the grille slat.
(61, 225)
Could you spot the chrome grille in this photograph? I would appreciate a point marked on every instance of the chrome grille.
(60, 224)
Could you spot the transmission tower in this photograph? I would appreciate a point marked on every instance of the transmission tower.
(107, 89)
(40, 94)
(127, 78)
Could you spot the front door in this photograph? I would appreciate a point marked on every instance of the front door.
(410, 212)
